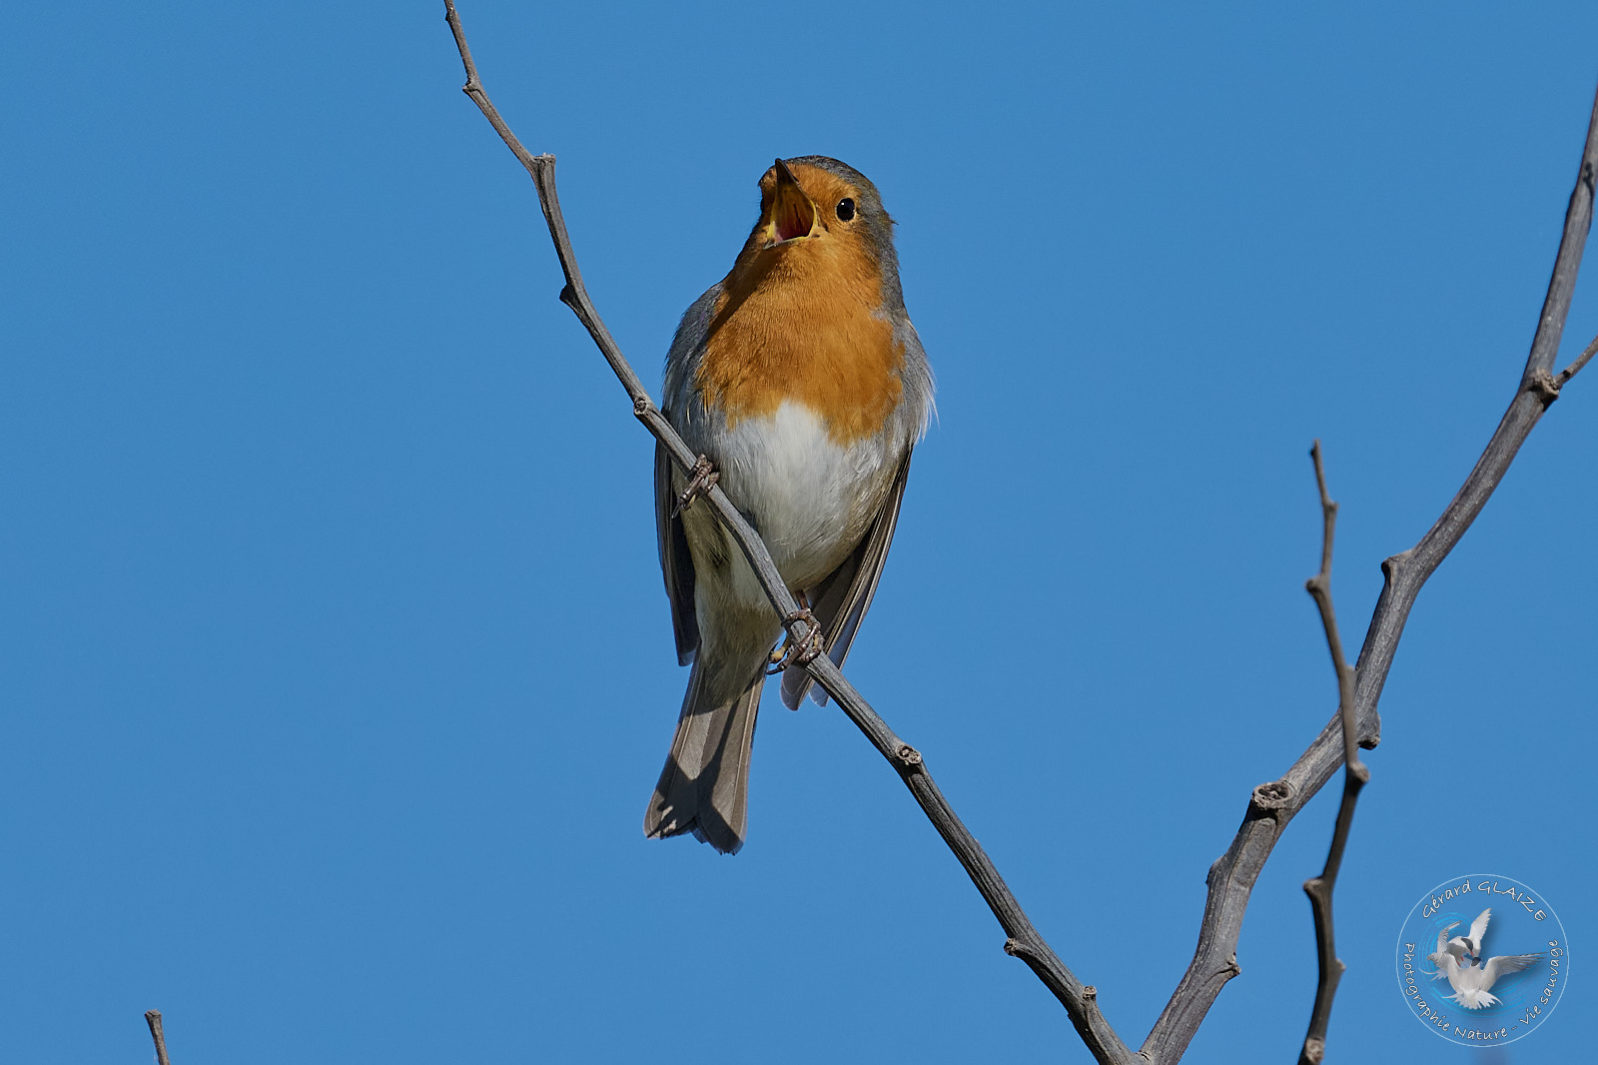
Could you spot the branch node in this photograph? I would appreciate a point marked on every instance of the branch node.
(1541, 384)
(908, 756)
(1396, 567)
(641, 407)
(1012, 946)
(1272, 796)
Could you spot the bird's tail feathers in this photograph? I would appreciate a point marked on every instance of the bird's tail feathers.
(1473, 998)
(704, 788)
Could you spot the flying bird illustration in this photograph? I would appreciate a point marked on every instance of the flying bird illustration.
(1472, 983)
(1449, 953)
(1471, 944)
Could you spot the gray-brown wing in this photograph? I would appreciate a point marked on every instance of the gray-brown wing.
(840, 602)
(676, 564)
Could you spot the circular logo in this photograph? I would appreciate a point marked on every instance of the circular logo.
(1482, 959)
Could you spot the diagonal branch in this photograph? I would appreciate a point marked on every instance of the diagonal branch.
(1024, 941)
(1575, 366)
(1273, 805)
(1355, 776)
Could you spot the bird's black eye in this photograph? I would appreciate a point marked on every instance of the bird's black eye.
(845, 209)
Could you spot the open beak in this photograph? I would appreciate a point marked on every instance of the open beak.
(793, 213)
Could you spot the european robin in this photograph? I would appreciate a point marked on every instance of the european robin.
(800, 377)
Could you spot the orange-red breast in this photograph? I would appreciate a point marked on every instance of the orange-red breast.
(801, 378)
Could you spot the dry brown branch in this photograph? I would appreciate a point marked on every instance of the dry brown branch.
(1355, 776)
(1271, 806)
(153, 1019)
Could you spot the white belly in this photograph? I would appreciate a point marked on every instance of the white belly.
(811, 499)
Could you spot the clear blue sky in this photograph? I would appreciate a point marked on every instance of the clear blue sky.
(336, 668)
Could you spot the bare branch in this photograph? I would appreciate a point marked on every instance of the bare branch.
(1023, 940)
(153, 1019)
(1355, 775)
(1406, 572)
(1575, 367)
(1320, 589)
(1273, 805)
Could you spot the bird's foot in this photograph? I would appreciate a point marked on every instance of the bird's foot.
(703, 480)
(797, 651)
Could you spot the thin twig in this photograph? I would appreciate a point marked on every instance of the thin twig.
(1575, 367)
(153, 1019)
(1023, 940)
(1273, 805)
(1355, 776)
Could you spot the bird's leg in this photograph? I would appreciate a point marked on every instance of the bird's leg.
(704, 478)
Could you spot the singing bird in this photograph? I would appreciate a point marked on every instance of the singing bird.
(800, 377)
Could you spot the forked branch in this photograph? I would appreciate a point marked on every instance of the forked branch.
(1273, 805)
